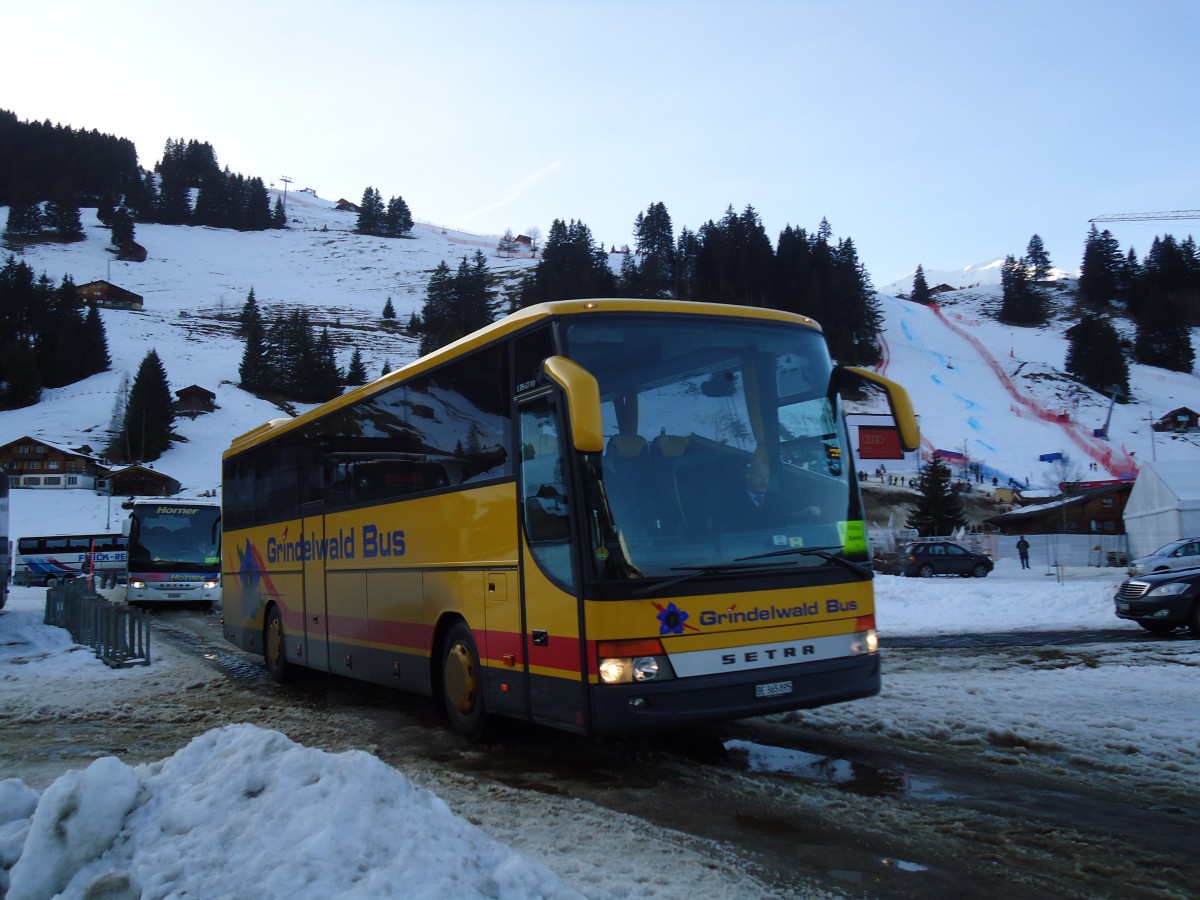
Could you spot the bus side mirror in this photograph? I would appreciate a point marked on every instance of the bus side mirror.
(897, 397)
(583, 402)
(126, 526)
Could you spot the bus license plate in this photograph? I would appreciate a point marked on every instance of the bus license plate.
(773, 689)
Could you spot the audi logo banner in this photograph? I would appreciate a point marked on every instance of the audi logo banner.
(879, 443)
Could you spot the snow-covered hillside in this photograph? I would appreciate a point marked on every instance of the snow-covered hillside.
(992, 392)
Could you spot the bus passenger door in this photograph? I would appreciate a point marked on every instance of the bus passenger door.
(316, 633)
(550, 613)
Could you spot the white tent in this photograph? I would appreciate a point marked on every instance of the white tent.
(1163, 506)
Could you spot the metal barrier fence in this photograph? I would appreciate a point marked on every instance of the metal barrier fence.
(120, 635)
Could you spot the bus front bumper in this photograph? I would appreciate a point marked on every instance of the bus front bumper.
(678, 702)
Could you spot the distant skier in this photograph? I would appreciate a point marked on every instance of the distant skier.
(1023, 552)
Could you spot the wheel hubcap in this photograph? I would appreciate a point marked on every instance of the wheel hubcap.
(275, 642)
(460, 679)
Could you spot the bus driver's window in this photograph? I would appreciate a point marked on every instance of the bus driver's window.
(545, 502)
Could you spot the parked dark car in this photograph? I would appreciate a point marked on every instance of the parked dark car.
(1161, 602)
(928, 558)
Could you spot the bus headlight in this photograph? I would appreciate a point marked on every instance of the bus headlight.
(630, 662)
(137, 584)
(616, 671)
(211, 583)
(865, 642)
(645, 668)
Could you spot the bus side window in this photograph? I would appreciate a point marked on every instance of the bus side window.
(546, 503)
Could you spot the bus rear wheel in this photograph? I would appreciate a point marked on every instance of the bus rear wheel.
(275, 648)
(462, 684)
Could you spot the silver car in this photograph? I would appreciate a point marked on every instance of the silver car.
(1181, 554)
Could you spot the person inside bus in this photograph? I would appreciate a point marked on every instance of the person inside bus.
(755, 505)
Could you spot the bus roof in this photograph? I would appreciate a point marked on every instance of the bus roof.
(168, 501)
(518, 320)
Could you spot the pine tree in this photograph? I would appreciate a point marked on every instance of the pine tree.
(174, 205)
(258, 211)
(1022, 303)
(122, 227)
(250, 317)
(438, 312)
(323, 380)
(939, 510)
(22, 383)
(213, 201)
(397, 219)
(149, 414)
(508, 244)
(1100, 272)
(138, 195)
(62, 212)
(920, 291)
(95, 342)
(389, 311)
(1167, 286)
(1163, 337)
(61, 337)
(1095, 356)
(24, 213)
(854, 317)
(1037, 259)
(25, 303)
(572, 266)
(105, 208)
(370, 213)
(278, 215)
(356, 371)
(253, 373)
(473, 305)
(654, 242)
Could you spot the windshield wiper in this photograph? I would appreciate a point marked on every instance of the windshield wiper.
(692, 572)
(863, 572)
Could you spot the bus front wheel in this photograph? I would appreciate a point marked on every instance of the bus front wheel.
(275, 648)
(462, 684)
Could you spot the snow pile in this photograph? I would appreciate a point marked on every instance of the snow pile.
(207, 822)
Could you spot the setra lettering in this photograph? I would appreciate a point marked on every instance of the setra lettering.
(770, 654)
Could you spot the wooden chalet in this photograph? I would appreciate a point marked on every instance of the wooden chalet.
(36, 463)
(142, 481)
(1083, 509)
(109, 296)
(1180, 421)
(194, 400)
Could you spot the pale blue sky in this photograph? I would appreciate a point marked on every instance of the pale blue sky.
(942, 133)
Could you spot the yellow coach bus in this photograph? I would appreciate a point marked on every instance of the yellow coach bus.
(599, 515)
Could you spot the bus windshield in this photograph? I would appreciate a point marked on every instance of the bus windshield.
(175, 538)
(724, 447)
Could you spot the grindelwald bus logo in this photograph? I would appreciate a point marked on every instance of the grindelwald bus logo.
(672, 619)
